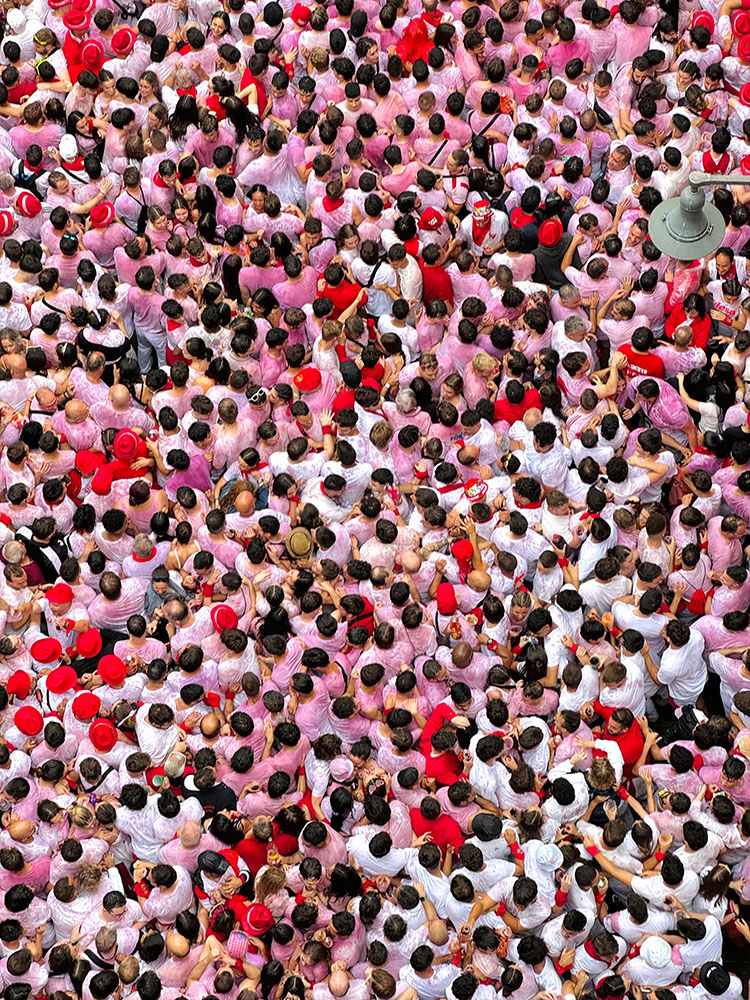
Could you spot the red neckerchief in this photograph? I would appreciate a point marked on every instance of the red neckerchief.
(450, 488)
(587, 514)
(331, 204)
(140, 559)
(76, 166)
(712, 166)
(192, 91)
(197, 263)
(189, 180)
(531, 506)
(175, 324)
(158, 181)
(412, 246)
(35, 170)
(480, 230)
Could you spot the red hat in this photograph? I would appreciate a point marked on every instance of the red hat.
(308, 380)
(19, 682)
(741, 23)
(46, 650)
(87, 462)
(29, 720)
(431, 220)
(77, 20)
(702, 19)
(258, 919)
(101, 484)
(85, 6)
(123, 41)
(223, 617)
(112, 670)
(743, 49)
(86, 705)
(462, 550)
(745, 162)
(61, 593)
(446, 599)
(61, 679)
(125, 445)
(57, 4)
(91, 53)
(103, 735)
(300, 14)
(89, 643)
(475, 490)
(28, 204)
(103, 214)
(6, 223)
(550, 232)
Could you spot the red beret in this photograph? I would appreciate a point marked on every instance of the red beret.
(89, 643)
(462, 550)
(743, 48)
(61, 593)
(19, 682)
(745, 94)
(446, 599)
(308, 380)
(86, 705)
(223, 617)
(57, 4)
(300, 14)
(29, 720)
(745, 162)
(61, 679)
(741, 23)
(550, 232)
(103, 735)
(6, 223)
(102, 215)
(112, 670)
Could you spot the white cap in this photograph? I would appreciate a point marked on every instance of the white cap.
(16, 20)
(657, 952)
(68, 147)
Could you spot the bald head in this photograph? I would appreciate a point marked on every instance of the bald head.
(479, 580)
(210, 726)
(76, 411)
(177, 944)
(410, 561)
(16, 365)
(245, 502)
(21, 830)
(531, 418)
(46, 400)
(338, 984)
(190, 833)
(461, 654)
(119, 397)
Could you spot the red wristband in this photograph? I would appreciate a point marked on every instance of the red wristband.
(623, 793)
(659, 855)
(593, 850)
(326, 428)
(208, 589)
(561, 898)
(563, 562)
(516, 851)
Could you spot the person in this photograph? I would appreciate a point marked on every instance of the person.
(373, 502)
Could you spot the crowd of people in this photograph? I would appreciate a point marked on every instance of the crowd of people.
(374, 501)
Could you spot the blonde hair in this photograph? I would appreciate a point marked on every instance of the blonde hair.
(80, 815)
(483, 364)
(269, 882)
(381, 434)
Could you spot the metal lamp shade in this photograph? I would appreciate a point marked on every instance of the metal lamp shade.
(686, 227)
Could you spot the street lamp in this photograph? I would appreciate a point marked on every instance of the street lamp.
(686, 227)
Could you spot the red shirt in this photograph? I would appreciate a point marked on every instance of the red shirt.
(444, 830)
(253, 853)
(630, 742)
(511, 412)
(701, 327)
(642, 364)
(436, 283)
(342, 296)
